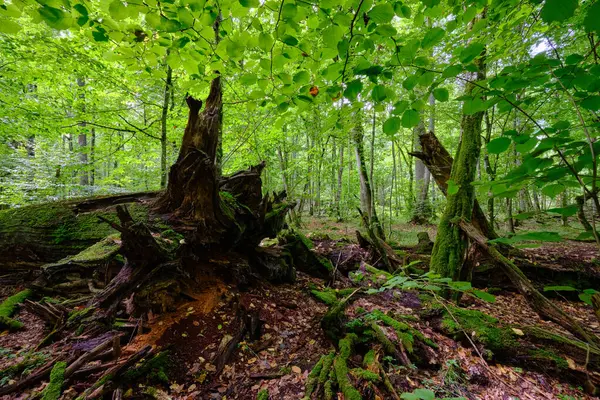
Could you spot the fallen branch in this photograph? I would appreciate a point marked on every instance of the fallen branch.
(537, 300)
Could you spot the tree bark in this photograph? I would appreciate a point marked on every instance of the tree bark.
(450, 245)
(366, 191)
(163, 127)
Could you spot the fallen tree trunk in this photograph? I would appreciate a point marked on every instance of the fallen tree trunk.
(537, 300)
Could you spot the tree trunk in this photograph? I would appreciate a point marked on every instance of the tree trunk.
(440, 163)
(163, 127)
(366, 191)
(450, 245)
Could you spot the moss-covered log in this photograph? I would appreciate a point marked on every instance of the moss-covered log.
(39, 234)
(531, 346)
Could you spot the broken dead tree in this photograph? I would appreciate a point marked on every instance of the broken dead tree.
(439, 162)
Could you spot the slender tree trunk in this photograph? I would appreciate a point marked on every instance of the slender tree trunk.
(93, 158)
(82, 138)
(366, 191)
(420, 213)
(338, 193)
(163, 127)
(491, 171)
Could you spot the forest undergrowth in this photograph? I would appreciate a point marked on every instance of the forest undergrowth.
(399, 339)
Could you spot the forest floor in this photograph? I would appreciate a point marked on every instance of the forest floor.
(292, 339)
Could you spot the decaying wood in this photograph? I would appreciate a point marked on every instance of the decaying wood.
(141, 252)
(102, 386)
(33, 378)
(378, 246)
(51, 313)
(87, 357)
(537, 300)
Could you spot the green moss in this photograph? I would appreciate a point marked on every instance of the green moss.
(547, 355)
(307, 242)
(59, 224)
(327, 296)
(328, 387)
(377, 272)
(10, 324)
(77, 315)
(406, 334)
(30, 362)
(54, 388)
(366, 375)
(312, 379)
(369, 358)
(263, 395)
(9, 306)
(101, 251)
(340, 366)
(152, 370)
(485, 328)
(331, 296)
(326, 369)
(450, 244)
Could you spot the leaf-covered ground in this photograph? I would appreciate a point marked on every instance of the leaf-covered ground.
(292, 340)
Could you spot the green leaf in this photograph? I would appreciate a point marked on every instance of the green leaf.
(378, 94)
(386, 30)
(117, 10)
(564, 211)
(391, 125)
(473, 50)
(591, 103)
(265, 41)
(558, 10)
(289, 40)
(527, 146)
(410, 118)
(441, 94)
(250, 3)
(302, 77)
(382, 13)
(432, 37)
(591, 21)
(8, 26)
(248, 79)
(452, 187)
(411, 82)
(402, 10)
(452, 71)
(573, 59)
(485, 296)
(559, 289)
(498, 145)
(54, 17)
(553, 190)
(460, 285)
(289, 10)
(353, 89)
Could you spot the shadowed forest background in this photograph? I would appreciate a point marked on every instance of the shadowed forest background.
(349, 199)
